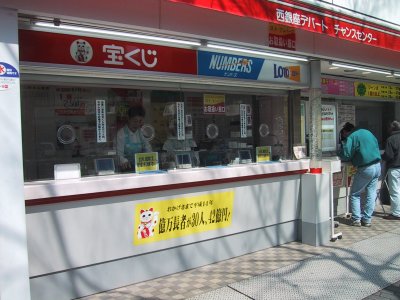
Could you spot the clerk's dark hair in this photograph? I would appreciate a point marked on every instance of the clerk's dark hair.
(136, 111)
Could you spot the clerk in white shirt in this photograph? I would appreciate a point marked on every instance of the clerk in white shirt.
(130, 139)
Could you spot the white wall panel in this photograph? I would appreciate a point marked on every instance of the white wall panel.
(87, 232)
(14, 284)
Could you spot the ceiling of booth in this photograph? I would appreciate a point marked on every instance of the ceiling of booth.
(347, 73)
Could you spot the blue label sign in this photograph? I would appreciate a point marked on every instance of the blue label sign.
(227, 65)
(7, 70)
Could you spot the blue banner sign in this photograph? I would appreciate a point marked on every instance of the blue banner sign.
(228, 65)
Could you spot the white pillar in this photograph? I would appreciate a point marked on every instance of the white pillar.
(14, 275)
(315, 210)
(315, 123)
(315, 187)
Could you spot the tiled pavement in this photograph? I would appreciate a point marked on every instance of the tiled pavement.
(212, 277)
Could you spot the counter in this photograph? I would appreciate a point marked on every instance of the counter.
(87, 235)
(53, 191)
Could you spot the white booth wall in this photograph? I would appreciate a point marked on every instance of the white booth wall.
(86, 246)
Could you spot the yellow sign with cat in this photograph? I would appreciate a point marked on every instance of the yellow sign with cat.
(177, 217)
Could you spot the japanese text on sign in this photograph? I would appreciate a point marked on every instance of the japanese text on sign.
(263, 154)
(173, 218)
(363, 89)
(282, 36)
(328, 127)
(145, 162)
(300, 20)
(72, 101)
(180, 121)
(101, 121)
(214, 104)
(243, 120)
(306, 16)
(316, 24)
(115, 55)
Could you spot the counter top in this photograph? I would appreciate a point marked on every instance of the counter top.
(50, 191)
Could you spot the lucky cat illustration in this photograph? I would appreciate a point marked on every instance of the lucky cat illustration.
(82, 52)
(148, 220)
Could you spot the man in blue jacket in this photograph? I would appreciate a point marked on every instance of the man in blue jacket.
(392, 158)
(361, 148)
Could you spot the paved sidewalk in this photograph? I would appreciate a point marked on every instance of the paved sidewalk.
(364, 264)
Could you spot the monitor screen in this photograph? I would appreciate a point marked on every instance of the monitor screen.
(211, 158)
(244, 155)
(104, 166)
(183, 160)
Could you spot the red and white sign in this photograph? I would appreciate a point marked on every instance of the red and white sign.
(281, 36)
(307, 17)
(54, 48)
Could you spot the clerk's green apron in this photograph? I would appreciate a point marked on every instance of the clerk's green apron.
(132, 148)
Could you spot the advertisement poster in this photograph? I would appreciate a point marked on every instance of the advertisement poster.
(228, 65)
(372, 90)
(246, 67)
(214, 104)
(9, 76)
(177, 217)
(328, 118)
(346, 113)
(180, 121)
(263, 154)
(101, 124)
(243, 120)
(281, 36)
(146, 162)
(66, 49)
(337, 87)
(73, 101)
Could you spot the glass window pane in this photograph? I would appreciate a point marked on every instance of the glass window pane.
(101, 128)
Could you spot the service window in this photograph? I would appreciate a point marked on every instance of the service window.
(102, 128)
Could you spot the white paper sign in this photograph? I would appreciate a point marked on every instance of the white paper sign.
(101, 121)
(243, 120)
(328, 119)
(180, 121)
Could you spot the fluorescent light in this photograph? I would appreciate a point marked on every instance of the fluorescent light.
(255, 52)
(118, 33)
(396, 74)
(361, 68)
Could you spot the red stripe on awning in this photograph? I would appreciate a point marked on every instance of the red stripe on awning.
(309, 18)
